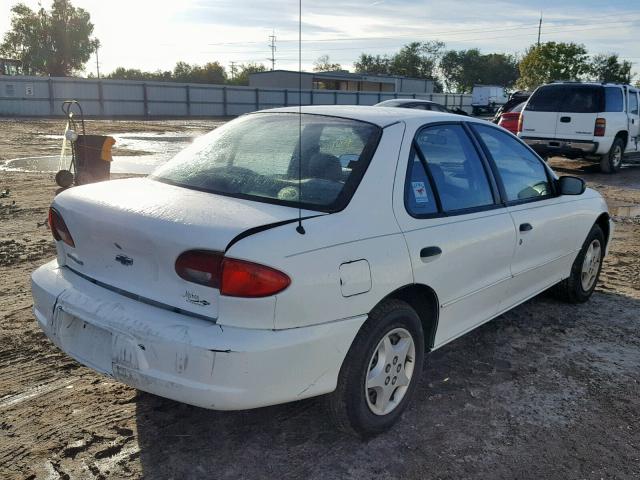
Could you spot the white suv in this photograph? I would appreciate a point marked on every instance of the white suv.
(590, 120)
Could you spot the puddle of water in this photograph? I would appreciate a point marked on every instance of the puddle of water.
(152, 150)
(625, 210)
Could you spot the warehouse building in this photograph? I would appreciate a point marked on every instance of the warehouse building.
(340, 80)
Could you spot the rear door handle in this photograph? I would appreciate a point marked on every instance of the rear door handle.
(525, 227)
(428, 252)
(565, 119)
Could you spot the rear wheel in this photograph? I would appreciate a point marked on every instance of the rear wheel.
(381, 371)
(612, 161)
(585, 270)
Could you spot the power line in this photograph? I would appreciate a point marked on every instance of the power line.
(369, 47)
(433, 33)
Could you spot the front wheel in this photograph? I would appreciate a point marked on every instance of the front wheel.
(585, 270)
(380, 372)
(612, 161)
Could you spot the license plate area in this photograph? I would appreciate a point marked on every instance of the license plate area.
(84, 341)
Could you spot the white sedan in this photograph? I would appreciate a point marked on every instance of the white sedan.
(287, 255)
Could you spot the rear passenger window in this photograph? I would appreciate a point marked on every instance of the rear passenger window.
(633, 103)
(613, 99)
(418, 196)
(457, 171)
(522, 173)
(582, 99)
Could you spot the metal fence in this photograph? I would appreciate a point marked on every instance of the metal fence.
(43, 97)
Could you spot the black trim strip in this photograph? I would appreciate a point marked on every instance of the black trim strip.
(139, 298)
(262, 228)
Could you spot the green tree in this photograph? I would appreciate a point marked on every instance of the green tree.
(500, 69)
(323, 64)
(122, 73)
(461, 69)
(417, 59)
(553, 61)
(244, 70)
(57, 42)
(608, 68)
(375, 65)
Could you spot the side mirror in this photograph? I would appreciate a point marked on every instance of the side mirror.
(569, 185)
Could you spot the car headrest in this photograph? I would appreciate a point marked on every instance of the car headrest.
(325, 166)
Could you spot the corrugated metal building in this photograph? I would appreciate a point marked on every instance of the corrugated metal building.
(341, 81)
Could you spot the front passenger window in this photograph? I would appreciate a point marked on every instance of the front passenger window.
(522, 172)
(455, 166)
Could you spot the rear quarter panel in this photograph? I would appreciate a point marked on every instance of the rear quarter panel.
(365, 229)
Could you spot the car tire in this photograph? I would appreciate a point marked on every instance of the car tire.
(362, 403)
(585, 270)
(612, 161)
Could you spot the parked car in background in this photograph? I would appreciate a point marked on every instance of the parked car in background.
(516, 98)
(486, 99)
(595, 121)
(254, 269)
(420, 105)
(509, 119)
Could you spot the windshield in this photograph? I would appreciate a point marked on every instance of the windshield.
(257, 157)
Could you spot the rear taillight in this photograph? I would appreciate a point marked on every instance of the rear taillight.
(59, 228)
(520, 122)
(248, 279)
(200, 266)
(234, 278)
(601, 126)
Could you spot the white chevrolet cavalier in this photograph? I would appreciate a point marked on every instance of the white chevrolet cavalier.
(263, 265)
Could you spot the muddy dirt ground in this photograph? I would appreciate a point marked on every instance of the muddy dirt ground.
(546, 391)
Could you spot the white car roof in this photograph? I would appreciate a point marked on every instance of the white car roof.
(381, 116)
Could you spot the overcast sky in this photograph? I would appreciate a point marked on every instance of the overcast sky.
(154, 34)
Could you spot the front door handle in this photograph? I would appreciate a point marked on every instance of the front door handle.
(525, 227)
(428, 252)
(565, 119)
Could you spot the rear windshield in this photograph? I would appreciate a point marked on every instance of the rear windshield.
(567, 99)
(263, 157)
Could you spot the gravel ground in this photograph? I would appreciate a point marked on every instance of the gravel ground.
(546, 391)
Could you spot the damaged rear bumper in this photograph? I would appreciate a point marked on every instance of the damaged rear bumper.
(187, 359)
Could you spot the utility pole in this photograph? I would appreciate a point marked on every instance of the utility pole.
(539, 28)
(97, 62)
(272, 46)
(233, 70)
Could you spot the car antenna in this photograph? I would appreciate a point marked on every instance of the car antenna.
(300, 228)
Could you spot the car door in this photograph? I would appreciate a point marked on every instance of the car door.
(460, 239)
(550, 229)
(634, 121)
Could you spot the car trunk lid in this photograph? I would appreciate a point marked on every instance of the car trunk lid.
(129, 233)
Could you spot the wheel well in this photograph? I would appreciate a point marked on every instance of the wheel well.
(603, 223)
(424, 301)
(624, 135)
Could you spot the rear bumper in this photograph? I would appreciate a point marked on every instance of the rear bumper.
(187, 359)
(569, 148)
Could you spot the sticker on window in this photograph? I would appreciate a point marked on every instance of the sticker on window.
(420, 192)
